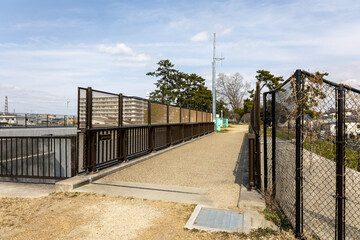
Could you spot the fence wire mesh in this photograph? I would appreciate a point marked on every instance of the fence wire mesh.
(285, 107)
(82, 108)
(352, 164)
(314, 211)
(268, 129)
(192, 116)
(134, 111)
(319, 158)
(185, 115)
(174, 114)
(199, 116)
(158, 113)
(105, 109)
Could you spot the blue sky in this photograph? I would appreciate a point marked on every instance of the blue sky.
(48, 48)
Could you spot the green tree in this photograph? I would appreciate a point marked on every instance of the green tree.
(168, 84)
(221, 105)
(247, 105)
(267, 79)
(175, 87)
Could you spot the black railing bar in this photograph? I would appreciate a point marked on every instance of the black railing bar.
(332, 83)
(109, 93)
(283, 84)
(143, 126)
(137, 98)
(41, 137)
(30, 176)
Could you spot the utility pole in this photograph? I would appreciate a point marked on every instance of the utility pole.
(67, 112)
(214, 79)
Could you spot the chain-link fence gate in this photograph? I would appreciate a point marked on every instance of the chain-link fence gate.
(312, 155)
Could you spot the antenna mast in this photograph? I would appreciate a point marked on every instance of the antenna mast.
(214, 79)
(6, 110)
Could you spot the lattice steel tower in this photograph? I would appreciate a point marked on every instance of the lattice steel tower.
(6, 110)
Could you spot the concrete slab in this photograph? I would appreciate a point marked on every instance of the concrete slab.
(25, 190)
(249, 221)
(254, 220)
(148, 191)
(251, 200)
(193, 224)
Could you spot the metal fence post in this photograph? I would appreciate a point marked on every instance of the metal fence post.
(298, 163)
(265, 146)
(151, 129)
(90, 136)
(340, 177)
(74, 157)
(273, 145)
(78, 109)
(89, 108)
(251, 160)
(182, 126)
(257, 137)
(168, 127)
(120, 124)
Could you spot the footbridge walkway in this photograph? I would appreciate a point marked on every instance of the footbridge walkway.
(204, 171)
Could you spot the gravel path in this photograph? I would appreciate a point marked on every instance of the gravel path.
(206, 163)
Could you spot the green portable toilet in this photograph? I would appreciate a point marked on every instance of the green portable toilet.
(218, 124)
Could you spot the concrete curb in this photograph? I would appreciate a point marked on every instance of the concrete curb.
(70, 184)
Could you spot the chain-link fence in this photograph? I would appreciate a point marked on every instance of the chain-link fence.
(312, 154)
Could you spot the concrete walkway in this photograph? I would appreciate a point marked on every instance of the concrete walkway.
(208, 164)
(211, 171)
(25, 190)
(148, 191)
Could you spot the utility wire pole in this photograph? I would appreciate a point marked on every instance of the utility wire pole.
(67, 112)
(214, 79)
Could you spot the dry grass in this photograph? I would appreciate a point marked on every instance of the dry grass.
(92, 216)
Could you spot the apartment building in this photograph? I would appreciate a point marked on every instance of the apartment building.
(105, 110)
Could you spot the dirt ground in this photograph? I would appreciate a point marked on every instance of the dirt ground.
(91, 216)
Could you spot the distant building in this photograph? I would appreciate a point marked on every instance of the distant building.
(7, 120)
(105, 110)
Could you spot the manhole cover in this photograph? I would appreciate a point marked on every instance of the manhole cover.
(205, 218)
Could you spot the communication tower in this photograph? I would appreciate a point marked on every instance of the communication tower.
(6, 110)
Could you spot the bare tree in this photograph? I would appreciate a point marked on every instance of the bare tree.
(232, 89)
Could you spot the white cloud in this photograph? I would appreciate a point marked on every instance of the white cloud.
(182, 23)
(118, 49)
(200, 37)
(123, 51)
(226, 31)
(221, 30)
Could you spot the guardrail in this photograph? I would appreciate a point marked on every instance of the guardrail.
(116, 128)
(43, 157)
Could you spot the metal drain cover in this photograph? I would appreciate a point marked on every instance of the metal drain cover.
(212, 219)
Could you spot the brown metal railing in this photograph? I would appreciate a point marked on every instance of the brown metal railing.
(117, 128)
(44, 157)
